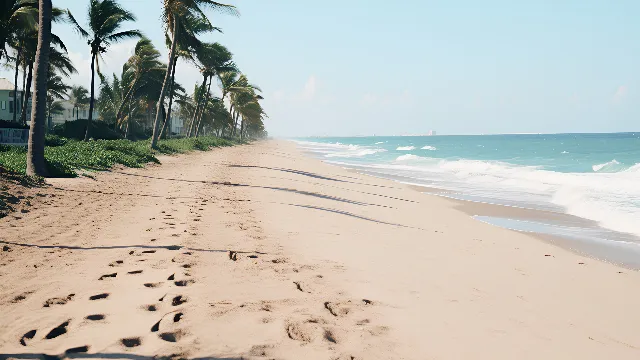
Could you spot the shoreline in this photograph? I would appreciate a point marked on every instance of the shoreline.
(268, 253)
(623, 250)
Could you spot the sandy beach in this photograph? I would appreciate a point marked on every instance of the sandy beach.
(261, 252)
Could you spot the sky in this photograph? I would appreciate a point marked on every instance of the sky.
(369, 67)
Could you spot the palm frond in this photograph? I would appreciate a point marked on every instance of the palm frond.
(82, 32)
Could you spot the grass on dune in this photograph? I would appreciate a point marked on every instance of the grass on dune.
(65, 156)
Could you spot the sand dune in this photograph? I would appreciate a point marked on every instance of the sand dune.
(258, 252)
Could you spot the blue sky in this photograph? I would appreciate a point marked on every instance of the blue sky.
(389, 68)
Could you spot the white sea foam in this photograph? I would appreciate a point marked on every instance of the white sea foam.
(358, 152)
(405, 148)
(429, 147)
(380, 142)
(610, 199)
(407, 157)
(338, 150)
(610, 166)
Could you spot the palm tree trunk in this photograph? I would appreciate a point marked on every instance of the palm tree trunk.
(15, 86)
(35, 153)
(23, 115)
(205, 106)
(167, 76)
(235, 125)
(24, 82)
(87, 134)
(197, 111)
(126, 97)
(167, 121)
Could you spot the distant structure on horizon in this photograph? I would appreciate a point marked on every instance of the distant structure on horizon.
(432, 132)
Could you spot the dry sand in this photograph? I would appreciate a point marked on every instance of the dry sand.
(326, 264)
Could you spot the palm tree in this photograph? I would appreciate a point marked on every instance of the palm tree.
(110, 98)
(15, 17)
(173, 14)
(35, 153)
(143, 61)
(58, 61)
(214, 59)
(105, 20)
(191, 27)
(237, 87)
(56, 89)
(247, 107)
(79, 97)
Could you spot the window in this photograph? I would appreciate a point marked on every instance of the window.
(3, 105)
(10, 107)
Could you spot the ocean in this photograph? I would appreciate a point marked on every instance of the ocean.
(595, 177)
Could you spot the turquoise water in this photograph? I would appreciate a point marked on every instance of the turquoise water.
(592, 176)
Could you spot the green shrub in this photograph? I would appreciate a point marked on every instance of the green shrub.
(76, 129)
(63, 157)
(54, 140)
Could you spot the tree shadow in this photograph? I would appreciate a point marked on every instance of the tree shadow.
(226, 183)
(310, 174)
(342, 188)
(125, 356)
(114, 247)
(346, 213)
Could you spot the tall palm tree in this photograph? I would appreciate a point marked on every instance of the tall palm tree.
(247, 107)
(174, 12)
(35, 153)
(56, 90)
(191, 27)
(106, 17)
(214, 58)
(79, 97)
(238, 90)
(58, 61)
(143, 61)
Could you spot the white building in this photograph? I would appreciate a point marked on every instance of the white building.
(70, 113)
(7, 102)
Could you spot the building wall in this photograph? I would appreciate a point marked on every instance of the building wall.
(69, 114)
(6, 103)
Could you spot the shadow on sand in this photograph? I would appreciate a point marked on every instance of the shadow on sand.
(125, 356)
(226, 183)
(114, 247)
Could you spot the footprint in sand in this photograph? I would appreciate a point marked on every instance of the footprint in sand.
(135, 272)
(105, 276)
(58, 301)
(178, 300)
(95, 317)
(27, 336)
(99, 296)
(183, 282)
(21, 297)
(77, 350)
(58, 330)
(171, 336)
(131, 342)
